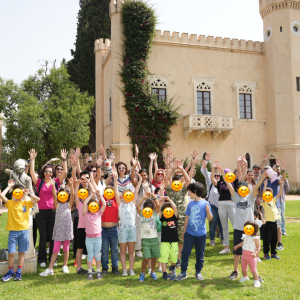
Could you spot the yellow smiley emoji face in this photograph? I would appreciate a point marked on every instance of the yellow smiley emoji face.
(83, 193)
(147, 212)
(128, 196)
(267, 196)
(168, 212)
(249, 229)
(109, 193)
(93, 207)
(243, 191)
(18, 194)
(230, 177)
(176, 185)
(62, 196)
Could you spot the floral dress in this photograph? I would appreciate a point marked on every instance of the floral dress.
(63, 227)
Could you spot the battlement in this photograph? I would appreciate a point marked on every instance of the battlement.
(268, 6)
(100, 44)
(211, 42)
(115, 6)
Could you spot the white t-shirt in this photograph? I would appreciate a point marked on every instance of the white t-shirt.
(148, 226)
(189, 198)
(258, 222)
(249, 243)
(101, 187)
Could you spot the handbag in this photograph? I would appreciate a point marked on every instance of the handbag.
(207, 196)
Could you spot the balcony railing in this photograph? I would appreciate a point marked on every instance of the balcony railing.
(202, 123)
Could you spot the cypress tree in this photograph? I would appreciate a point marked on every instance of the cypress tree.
(93, 23)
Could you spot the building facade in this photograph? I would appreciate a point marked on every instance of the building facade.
(238, 97)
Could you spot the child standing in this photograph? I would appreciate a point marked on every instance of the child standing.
(169, 238)
(271, 216)
(18, 226)
(194, 231)
(259, 220)
(149, 235)
(92, 216)
(251, 248)
(63, 227)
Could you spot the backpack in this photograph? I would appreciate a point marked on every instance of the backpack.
(42, 183)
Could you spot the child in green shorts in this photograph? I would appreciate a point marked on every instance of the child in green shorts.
(149, 233)
(169, 238)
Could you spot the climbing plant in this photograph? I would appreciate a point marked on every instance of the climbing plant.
(150, 120)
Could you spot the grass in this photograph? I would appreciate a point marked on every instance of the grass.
(292, 209)
(281, 277)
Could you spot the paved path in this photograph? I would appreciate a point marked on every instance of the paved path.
(292, 197)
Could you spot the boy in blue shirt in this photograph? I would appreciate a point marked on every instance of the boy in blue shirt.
(194, 231)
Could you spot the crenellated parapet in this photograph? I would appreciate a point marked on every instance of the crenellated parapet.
(207, 42)
(101, 45)
(268, 6)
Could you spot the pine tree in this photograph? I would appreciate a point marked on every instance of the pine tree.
(93, 23)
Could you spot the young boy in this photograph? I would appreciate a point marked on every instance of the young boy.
(194, 231)
(271, 217)
(149, 235)
(18, 226)
(169, 238)
(244, 211)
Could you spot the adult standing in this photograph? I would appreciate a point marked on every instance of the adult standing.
(45, 219)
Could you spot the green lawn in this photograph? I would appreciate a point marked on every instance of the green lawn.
(292, 209)
(281, 277)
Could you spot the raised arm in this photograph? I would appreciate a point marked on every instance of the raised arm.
(71, 201)
(283, 167)
(184, 173)
(103, 203)
(33, 155)
(99, 169)
(93, 183)
(229, 185)
(116, 187)
(77, 181)
(138, 206)
(132, 175)
(34, 199)
(73, 159)
(54, 193)
(194, 161)
(10, 184)
(258, 184)
(152, 158)
(212, 174)
(137, 188)
(244, 165)
(280, 190)
(173, 206)
(64, 173)
(85, 209)
(263, 162)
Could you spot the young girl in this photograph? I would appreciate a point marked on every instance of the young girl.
(127, 226)
(259, 220)
(63, 227)
(92, 216)
(251, 248)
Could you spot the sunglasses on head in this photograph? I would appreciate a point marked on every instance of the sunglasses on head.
(59, 169)
(48, 172)
(121, 168)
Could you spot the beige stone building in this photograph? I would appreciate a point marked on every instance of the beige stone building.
(238, 97)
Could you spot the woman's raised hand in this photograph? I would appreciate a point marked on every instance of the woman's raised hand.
(32, 154)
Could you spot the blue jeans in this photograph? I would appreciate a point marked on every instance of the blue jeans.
(282, 206)
(93, 246)
(213, 223)
(18, 238)
(189, 242)
(109, 238)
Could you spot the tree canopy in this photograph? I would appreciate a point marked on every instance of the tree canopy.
(46, 112)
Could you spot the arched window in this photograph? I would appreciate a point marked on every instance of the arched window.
(248, 158)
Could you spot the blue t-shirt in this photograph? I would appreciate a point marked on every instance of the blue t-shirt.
(196, 211)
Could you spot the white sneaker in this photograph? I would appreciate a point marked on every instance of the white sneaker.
(256, 283)
(65, 269)
(225, 250)
(139, 254)
(61, 246)
(58, 254)
(83, 256)
(258, 259)
(47, 250)
(131, 273)
(47, 272)
(124, 272)
(43, 265)
(55, 264)
(149, 270)
(159, 270)
(243, 279)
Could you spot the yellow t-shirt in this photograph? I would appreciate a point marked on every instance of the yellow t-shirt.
(18, 214)
(271, 211)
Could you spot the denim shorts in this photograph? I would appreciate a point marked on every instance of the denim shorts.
(127, 233)
(20, 239)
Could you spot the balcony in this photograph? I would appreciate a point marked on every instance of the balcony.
(201, 123)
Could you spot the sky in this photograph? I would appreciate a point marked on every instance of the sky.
(32, 31)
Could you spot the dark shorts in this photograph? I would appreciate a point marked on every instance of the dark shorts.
(237, 238)
(80, 238)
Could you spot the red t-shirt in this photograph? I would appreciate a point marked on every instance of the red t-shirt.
(156, 183)
(111, 211)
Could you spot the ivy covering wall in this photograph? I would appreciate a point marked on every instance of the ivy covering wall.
(149, 120)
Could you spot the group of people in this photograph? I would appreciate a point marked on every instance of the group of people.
(157, 216)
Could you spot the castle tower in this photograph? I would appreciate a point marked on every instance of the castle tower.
(281, 19)
(109, 99)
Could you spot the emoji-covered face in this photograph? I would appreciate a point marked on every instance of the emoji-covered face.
(18, 194)
(230, 177)
(168, 212)
(62, 196)
(243, 191)
(176, 185)
(83, 193)
(128, 196)
(249, 229)
(267, 196)
(109, 193)
(147, 212)
(93, 207)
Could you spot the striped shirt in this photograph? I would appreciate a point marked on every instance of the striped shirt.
(123, 183)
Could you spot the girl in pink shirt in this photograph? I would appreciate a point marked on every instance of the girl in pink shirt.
(92, 216)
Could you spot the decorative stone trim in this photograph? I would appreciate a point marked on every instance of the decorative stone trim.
(159, 80)
(277, 5)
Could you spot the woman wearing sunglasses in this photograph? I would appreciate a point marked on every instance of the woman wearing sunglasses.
(45, 219)
(159, 174)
